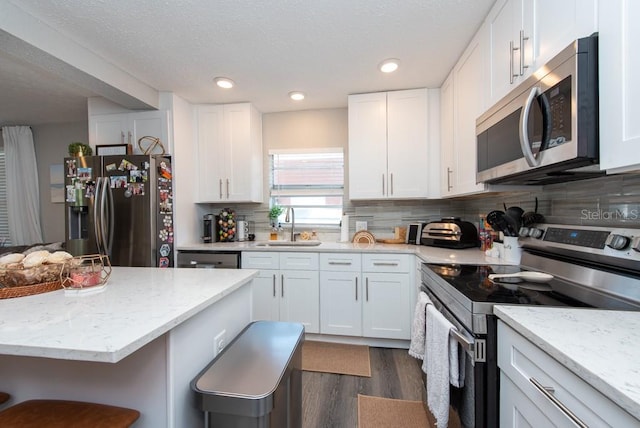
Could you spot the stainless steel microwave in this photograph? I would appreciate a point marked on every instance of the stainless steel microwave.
(545, 130)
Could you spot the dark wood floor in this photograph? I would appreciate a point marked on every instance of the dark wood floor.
(331, 400)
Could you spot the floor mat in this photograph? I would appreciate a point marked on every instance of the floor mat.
(336, 358)
(377, 412)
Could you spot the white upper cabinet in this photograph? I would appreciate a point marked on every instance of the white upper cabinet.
(389, 154)
(367, 146)
(229, 155)
(447, 154)
(128, 128)
(525, 34)
(619, 63)
(462, 100)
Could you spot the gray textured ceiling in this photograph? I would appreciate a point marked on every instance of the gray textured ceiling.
(325, 48)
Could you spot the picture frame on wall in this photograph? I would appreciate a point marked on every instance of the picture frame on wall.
(113, 149)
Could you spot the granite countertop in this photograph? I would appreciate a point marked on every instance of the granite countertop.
(136, 306)
(426, 254)
(601, 348)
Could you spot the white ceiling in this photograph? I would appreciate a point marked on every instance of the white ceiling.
(325, 48)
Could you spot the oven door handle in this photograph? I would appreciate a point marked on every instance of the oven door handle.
(476, 348)
(466, 344)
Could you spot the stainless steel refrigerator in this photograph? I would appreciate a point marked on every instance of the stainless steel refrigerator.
(122, 206)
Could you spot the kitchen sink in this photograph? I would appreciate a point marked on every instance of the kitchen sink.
(289, 244)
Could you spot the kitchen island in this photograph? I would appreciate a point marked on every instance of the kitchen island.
(137, 343)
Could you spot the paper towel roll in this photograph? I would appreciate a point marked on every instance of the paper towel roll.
(344, 229)
(242, 235)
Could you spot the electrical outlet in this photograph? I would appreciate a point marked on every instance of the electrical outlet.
(361, 225)
(219, 342)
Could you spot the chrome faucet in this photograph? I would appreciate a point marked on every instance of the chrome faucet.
(293, 222)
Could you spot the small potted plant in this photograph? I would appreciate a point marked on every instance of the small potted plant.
(80, 149)
(274, 213)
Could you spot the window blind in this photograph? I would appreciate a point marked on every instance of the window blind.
(312, 182)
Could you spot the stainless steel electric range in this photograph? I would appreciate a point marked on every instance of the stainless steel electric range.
(591, 267)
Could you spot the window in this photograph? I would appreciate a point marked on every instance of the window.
(5, 239)
(312, 182)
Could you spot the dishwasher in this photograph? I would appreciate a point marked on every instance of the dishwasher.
(209, 259)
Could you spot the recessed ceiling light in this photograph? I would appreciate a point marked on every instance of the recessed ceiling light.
(296, 95)
(389, 65)
(224, 82)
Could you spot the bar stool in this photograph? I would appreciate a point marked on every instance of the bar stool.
(66, 414)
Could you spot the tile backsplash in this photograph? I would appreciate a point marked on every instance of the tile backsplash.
(612, 201)
(606, 201)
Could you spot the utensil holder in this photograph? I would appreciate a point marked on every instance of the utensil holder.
(512, 252)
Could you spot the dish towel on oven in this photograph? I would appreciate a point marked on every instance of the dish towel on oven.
(440, 364)
(419, 326)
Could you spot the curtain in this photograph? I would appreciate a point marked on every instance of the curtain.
(23, 194)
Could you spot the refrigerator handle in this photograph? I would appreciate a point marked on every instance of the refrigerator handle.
(103, 219)
(96, 213)
(111, 222)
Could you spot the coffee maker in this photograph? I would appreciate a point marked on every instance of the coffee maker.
(209, 228)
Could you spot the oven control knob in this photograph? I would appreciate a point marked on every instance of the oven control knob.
(617, 242)
(536, 233)
(635, 244)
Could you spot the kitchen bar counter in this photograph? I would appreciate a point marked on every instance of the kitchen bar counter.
(599, 346)
(426, 254)
(138, 343)
(136, 306)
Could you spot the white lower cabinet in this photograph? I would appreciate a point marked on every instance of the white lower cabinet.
(341, 294)
(287, 287)
(266, 297)
(537, 391)
(346, 294)
(300, 298)
(386, 309)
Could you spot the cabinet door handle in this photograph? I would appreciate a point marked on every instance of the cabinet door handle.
(511, 50)
(391, 185)
(227, 188)
(340, 263)
(356, 288)
(522, 64)
(129, 137)
(449, 186)
(366, 289)
(385, 263)
(221, 188)
(382, 184)
(122, 137)
(548, 392)
(274, 285)
(282, 285)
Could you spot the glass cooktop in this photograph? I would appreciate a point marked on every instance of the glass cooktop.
(473, 282)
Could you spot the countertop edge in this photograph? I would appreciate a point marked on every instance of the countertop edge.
(116, 355)
(426, 254)
(587, 375)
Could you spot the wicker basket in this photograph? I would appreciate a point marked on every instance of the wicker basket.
(18, 276)
(28, 290)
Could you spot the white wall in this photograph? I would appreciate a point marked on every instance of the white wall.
(305, 129)
(51, 142)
